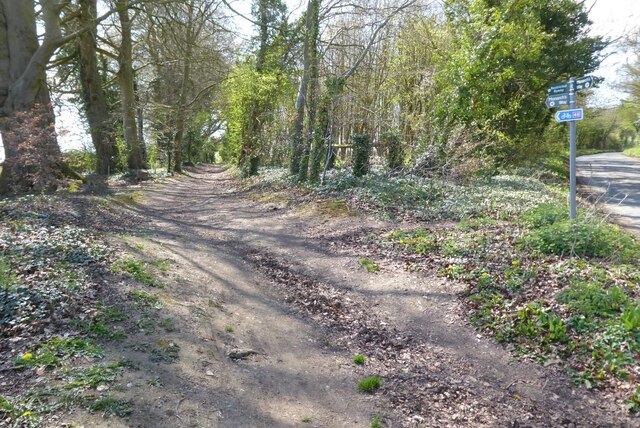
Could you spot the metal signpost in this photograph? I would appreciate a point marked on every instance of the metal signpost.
(561, 94)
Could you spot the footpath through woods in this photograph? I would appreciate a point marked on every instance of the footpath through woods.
(271, 305)
(613, 180)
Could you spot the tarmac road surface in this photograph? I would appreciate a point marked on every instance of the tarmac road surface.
(613, 180)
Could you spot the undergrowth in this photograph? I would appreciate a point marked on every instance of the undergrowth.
(634, 152)
(52, 325)
(559, 291)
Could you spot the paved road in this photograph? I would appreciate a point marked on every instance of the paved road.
(614, 181)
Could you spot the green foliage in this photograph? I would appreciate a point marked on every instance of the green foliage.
(394, 151)
(545, 215)
(142, 299)
(419, 241)
(109, 405)
(369, 384)
(376, 422)
(500, 197)
(502, 57)
(64, 256)
(590, 299)
(92, 377)
(473, 223)
(369, 265)
(534, 321)
(81, 161)
(633, 402)
(584, 238)
(109, 314)
(248, 113)
(50, 354)
(99, 329)
(16, 414)
(630, 318)
(607, 129)
(167, 352)
(634, 152)
(136, 269)
(359, 359)
(361, 154)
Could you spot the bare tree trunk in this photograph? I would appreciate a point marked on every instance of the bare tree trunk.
(186, 71)
(127, 92)
(140, 122)
(97, 110)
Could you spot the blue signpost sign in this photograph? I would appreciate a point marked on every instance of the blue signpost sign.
(564, 93)
(569, 115)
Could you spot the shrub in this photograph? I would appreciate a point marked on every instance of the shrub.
(82, 161)
(584, 238)
(545, 215)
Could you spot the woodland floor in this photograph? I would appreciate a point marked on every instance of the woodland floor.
(266, 307)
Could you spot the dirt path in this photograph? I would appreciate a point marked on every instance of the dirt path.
(294, 294)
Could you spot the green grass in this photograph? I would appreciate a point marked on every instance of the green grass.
(359, 359)
(109, 314)
(52, 353)
(229, 328)
(634, 152)
(376, 422)
(137, 270)
(99, 330)
(144, 299)
(584, 238)
(369, 384)
(109, 405)
(306, 419)
(92, 377)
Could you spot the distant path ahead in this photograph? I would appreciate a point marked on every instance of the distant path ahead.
(614, 180)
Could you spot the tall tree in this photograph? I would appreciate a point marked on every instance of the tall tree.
(298, 143)
(127, 90)
(95, 102)
(503, 55)
(23, 86)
